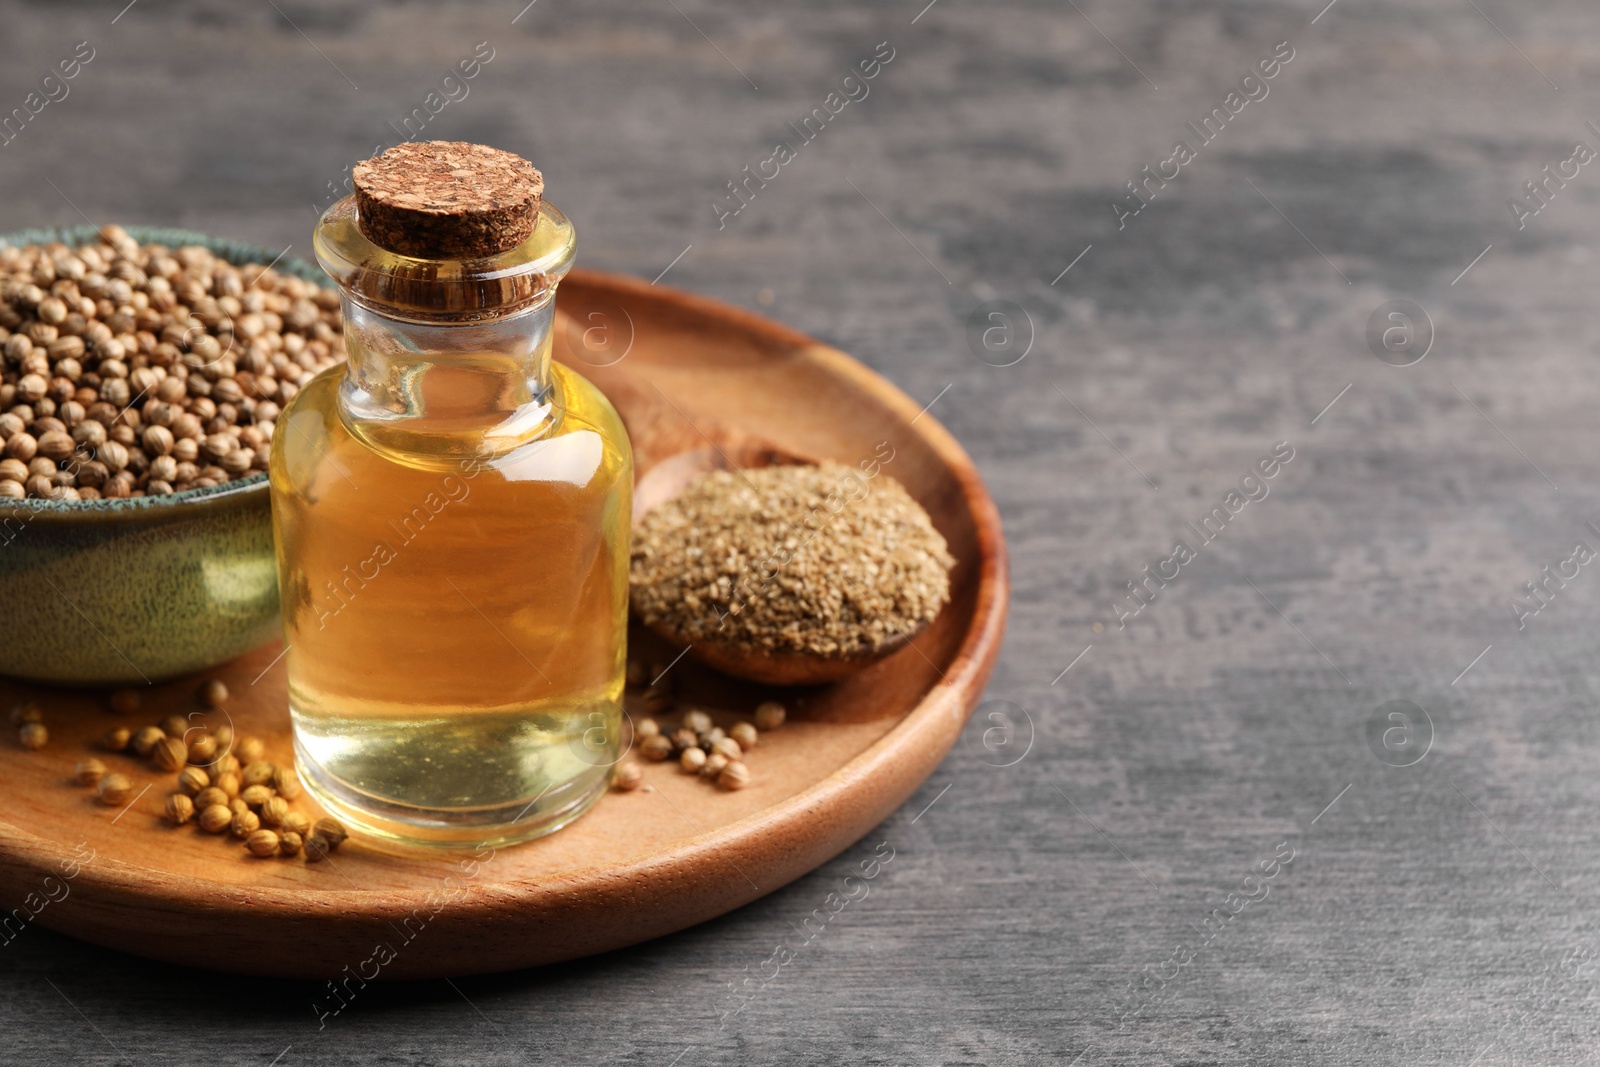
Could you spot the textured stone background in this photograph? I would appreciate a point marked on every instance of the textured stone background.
(1440, 912)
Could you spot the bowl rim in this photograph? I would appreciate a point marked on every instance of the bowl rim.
(154, 508)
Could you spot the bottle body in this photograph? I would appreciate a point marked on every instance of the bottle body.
(452, 515)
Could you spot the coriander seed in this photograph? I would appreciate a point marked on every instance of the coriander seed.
(646, 728)
(114, 789)
(262, 843)
(89, 771)
(317, 849)
(145, 739)
(193, 780)
(213, 694)
(683, 738)
(273, 809)
(727, 746)
(696, 720)
(202, 748)
(258, 772)
(290, 843)
(629, 775)
(169, 753)
(33, 736)
(245, 823)
(746, 734)
(238, 806)
(116, 740)
(256, 795)
(298, 821)
(713, 766)
(174, 725)
(287, 782)
(225, 764)
(249, 750)
(734, 776)
(215, 819)
(228, 782)
(180, 809)
(692, 760)
(770, 715)
(331, 831)
(655, 748)
(210, 797)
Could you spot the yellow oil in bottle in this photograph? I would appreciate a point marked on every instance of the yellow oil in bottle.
(452, 529)
(454, 626)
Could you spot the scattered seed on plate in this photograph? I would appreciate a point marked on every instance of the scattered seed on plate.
(89, 771)
(770, 715)
(262, 843)
(202, 748)
(210, 797)
(629, 775)
(180, 809)
(692, 760)
(287, 782)
(216, 818)
(192, 780)
(273, 811)
(116, 740)
(213, 693)
(331, 831)
(258, 772)
(734, 776)
(145, 738)
(169, 753)
(114, 789)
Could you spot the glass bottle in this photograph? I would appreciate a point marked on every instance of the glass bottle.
(452, 512)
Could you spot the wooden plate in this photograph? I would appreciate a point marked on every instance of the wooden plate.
(638, 865)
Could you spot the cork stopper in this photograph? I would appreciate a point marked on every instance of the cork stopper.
(447, 199)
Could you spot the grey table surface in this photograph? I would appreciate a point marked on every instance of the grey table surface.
(1118, 894)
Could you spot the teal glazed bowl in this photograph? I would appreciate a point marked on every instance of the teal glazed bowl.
(100, 592)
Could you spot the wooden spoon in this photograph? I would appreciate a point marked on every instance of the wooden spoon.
(670, 452)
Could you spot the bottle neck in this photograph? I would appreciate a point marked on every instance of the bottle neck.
(447, 358)
(447, 389)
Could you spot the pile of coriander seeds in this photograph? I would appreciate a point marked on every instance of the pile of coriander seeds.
(695, 741)
(139, 370)
(223, 783)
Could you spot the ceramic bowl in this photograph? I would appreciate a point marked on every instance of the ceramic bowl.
(142, 588)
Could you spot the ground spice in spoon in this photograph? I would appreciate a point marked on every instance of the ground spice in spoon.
(814, 560)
